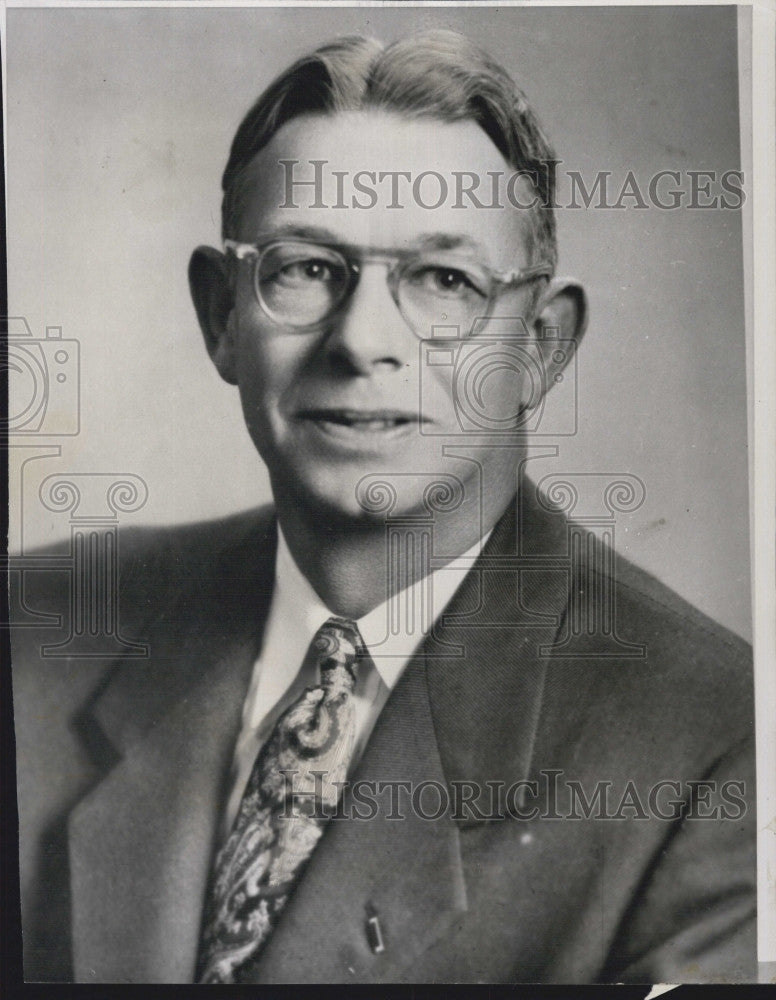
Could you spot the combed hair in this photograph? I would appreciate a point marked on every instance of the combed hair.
(433, 74)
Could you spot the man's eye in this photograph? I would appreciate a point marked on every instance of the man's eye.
(303, 272)
(447, 281)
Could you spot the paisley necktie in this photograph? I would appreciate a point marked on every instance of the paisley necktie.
(291, 793)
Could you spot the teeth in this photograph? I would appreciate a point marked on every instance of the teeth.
(371, 425)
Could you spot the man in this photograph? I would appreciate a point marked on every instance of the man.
(550, 780)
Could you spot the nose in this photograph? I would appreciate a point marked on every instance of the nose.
(370, 332)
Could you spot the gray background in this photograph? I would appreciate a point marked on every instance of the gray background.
(119, 123)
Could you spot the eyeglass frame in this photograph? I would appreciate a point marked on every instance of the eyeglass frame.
(500, 281)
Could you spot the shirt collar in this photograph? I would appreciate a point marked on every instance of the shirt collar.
(391, 632)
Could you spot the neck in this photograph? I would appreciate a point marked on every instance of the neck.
(356, 564)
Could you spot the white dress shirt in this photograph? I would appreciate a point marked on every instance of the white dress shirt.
(391, 632)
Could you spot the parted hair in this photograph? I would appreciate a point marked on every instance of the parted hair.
(433, 74)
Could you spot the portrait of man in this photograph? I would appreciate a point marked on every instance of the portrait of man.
(414, 717)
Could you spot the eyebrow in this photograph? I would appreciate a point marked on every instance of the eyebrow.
(449, 241)
(319, 234)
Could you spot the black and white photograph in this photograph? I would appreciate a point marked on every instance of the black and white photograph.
(383, 536)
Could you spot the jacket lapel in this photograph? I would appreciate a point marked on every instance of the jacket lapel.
(141, 842)
(487, 701)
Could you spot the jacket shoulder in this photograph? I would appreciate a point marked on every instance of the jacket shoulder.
(689, 676)
(153, 562)
(654, 607)
(156, 568)
(190, 546)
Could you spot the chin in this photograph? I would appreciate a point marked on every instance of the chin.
(365, 497)
(326, 495)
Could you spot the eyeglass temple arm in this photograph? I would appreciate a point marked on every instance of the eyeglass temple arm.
(518, 277)
(242, 251)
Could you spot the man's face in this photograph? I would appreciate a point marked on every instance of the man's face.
(351, 398)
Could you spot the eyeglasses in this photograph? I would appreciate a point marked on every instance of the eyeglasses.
(301, 284)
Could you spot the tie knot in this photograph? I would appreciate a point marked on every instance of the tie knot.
(338, 646)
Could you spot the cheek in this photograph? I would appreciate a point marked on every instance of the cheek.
(254, 376)
(437, 386)
(484, 389)
(500, 389)
(268, 364)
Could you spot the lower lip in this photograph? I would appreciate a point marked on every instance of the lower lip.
(360, 434)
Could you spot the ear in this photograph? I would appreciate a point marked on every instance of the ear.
(210, 283)
(561, 318)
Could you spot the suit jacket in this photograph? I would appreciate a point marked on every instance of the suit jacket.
(122, 775)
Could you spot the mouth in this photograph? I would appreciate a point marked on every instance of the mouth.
(364, 422)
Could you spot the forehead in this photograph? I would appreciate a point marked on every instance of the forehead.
(385, 180)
